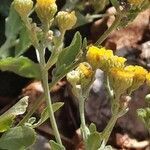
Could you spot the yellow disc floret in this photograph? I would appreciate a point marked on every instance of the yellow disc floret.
(85, 70)
(104, 59)
(120, 80)
(139, 75)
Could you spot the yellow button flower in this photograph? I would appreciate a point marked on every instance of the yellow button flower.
(139, 75)
(66, 20)
(46, 9)
(104, 59)
(23, 7)
(120, 80)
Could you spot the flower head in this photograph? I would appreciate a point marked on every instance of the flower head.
(23, 7)
(120, 80)
(139, 75)
(66, 20)
(82, 75)
(104, 59)
(46, 9)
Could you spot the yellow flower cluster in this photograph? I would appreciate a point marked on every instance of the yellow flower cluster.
(46, 9)
(121, 77)
(135, 2)
(104, 59)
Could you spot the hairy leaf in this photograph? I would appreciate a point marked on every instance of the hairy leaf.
(94, 141)
(18, 138)
(24, 42)
(13, 24)
(7, 118)
(69, 55)
(21, 66)
(56, 146)
(45, 114)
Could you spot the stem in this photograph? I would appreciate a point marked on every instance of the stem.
(48, 97)
(109, 30)
(82, 117)
(107, 131)
(56, 51)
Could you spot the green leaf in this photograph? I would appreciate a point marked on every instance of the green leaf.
(13, 24)
(45, 114)
(56, 146)
(18, 138)
(24, 42)
(92, 128)
(7, 118)
(94, 141)
(69, 55)
(21, 66)
(82, 20)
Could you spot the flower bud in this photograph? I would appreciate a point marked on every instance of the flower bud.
(73, 77)
(66, 20)
(46, 10)
(23, 7)
(82, 75)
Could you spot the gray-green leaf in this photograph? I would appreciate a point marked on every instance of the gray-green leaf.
(13, 24)
(24, 42)
(69, 55)
(94, 141)
(18, 138)
(21, 66)
(7, 118)
(56, 146)
(45, 114)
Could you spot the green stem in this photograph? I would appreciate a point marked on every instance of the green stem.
(82, 117)
(56, 51)
(107, 131)
(109, 30)
(48, 97)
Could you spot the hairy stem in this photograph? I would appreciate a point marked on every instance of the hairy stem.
(48, 97)
(107, 131)
(82, 117)
(109, 30)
